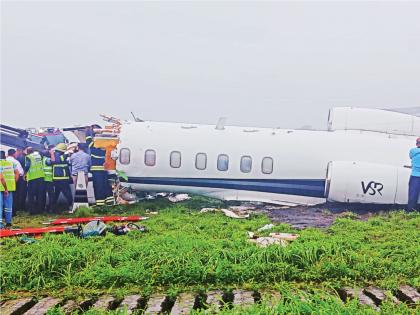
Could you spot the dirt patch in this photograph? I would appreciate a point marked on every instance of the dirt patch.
(320, 216)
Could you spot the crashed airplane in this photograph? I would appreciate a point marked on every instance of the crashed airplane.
(362, 157)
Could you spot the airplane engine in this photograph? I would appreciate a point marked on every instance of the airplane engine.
(363, 182)
(349, 118)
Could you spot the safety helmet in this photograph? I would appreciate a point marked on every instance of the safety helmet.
(61, 147)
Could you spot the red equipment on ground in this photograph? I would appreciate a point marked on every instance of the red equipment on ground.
(68, 229)
(32, 231)
(132, 218)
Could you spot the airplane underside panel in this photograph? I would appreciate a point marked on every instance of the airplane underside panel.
(233, 194)
(300, 187)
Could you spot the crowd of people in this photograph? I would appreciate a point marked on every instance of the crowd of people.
(33, 180)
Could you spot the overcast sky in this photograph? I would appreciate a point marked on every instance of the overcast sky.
(262, 64)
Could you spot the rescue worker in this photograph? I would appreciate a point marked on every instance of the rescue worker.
(414, 184)
(101, 186)
(11, 157)
(35, 177)
(61, 174)
(10, 175)
(21, 186)
(80, 162)
(48, 188)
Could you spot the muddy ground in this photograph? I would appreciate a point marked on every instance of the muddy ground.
(319, 216)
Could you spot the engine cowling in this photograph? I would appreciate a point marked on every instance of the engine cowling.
(362, 182)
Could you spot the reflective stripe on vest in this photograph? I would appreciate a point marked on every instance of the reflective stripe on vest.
(48, 171)
(60, 170)
(9, 175)
(97, 168)
(64, 171)
(36, 169)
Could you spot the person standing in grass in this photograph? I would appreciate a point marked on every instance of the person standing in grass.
(11, 157)
(414, 184)
(22, 185)
(35, 177)
(48, 187)
(10, 175)
(61, 174)
(3, 193)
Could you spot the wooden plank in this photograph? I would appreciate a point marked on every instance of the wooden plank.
(130, 303)
(376, 294)
(350, 293)
(243, 297)
(43, 306)
(408, 294)
(156, 304)
(70, 306)
(104, 302)
(214, 300)
(184, 304)
(16, 307)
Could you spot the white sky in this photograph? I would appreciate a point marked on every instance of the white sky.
(263, 64)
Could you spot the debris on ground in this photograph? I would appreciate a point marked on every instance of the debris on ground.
(266, 227)
(178, 197)
(124, 229)
(151, 212)
(228, 213)
(93, 228)
(281, 239)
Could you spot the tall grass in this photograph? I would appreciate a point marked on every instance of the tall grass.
(185, 249)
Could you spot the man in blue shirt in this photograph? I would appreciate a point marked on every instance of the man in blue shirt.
(414, 185)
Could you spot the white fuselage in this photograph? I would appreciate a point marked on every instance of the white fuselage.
(300, 159)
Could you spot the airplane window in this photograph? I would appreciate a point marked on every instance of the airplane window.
(125, 156)
(175, 159)
(150, 157)
(201, 161)
(222, 162)
(246, 164)
(267, 165)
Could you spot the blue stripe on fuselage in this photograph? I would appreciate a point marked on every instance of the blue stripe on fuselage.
(301, 187)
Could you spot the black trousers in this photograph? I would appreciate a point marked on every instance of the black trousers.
(102, 188)
(35, 195)
(19, 197)
(62, 186)
(47, 191)
(413, 193)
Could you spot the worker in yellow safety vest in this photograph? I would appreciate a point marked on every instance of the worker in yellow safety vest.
(35, 177)
(9, 176)
(48, 187)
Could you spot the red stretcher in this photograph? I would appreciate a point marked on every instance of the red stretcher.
(132, 218)
(33, 231)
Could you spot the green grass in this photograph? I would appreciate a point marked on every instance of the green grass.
(185, 250)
